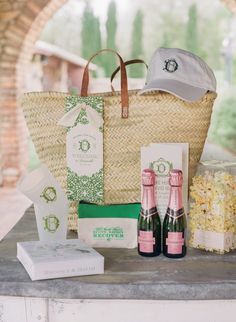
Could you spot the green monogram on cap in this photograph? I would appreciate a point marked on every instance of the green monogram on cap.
(51, 223)
(49, 194)
(171, 65)
(161, 167)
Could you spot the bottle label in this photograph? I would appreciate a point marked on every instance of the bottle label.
(146, 241)
(174, 242)
(175, 213)
(148, 213)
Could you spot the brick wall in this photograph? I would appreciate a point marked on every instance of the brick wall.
(21, 22)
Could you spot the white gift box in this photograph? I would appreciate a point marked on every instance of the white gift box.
(57, 259)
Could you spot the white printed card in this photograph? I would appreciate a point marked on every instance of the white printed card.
(162, 157)
(84, 148)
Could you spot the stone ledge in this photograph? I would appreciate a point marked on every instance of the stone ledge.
(199, 276)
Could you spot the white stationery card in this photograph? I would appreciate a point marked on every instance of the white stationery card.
(162, 157)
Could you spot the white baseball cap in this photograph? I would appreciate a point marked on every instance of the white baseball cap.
(180, 73)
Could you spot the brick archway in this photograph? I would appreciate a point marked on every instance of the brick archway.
(21, 23)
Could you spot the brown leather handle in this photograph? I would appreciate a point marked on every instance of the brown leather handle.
(128, 62)
(124, 83)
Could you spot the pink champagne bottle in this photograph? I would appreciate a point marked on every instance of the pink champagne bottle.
(149, 224)
(174, 225)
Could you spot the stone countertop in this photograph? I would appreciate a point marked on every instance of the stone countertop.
(198, 276)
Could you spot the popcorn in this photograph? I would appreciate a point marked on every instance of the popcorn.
(213, 207)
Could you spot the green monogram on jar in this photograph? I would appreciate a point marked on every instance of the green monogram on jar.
(49, 194)
(51, 223)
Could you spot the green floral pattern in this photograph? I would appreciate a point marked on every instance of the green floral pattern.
(90, 189)
(95, 102)
(85, 188)
(82, 118)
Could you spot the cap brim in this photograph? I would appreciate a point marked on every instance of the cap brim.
(184, 91)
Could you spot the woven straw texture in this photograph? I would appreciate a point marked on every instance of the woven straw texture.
(153, 117)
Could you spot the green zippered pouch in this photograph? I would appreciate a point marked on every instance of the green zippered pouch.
(108, 225)
(90, 210)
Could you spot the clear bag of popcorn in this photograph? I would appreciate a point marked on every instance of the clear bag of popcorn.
(212, 217)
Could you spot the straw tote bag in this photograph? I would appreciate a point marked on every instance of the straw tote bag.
(130, 121)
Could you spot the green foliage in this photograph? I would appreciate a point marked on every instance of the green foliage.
(234, 71)
(164, 25)
(210, 42)
(87, 32)
(166, 39)
(111, 29)
(137, 44)
(172, 29)
(223, 126)
(98, 36)
(192, 30)
(98, 40)
(90, 34)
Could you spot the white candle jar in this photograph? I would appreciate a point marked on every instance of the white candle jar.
(50, 203)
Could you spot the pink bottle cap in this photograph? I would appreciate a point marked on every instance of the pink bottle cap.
(148, 177)
(176, 178)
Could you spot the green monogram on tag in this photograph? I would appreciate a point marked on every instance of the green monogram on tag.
(49, 194)
(161, 167)
(111, 233)
(84, 145)
(51, 223)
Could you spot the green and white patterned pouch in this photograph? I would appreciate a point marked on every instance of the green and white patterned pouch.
(84, 148)
(108, 226)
